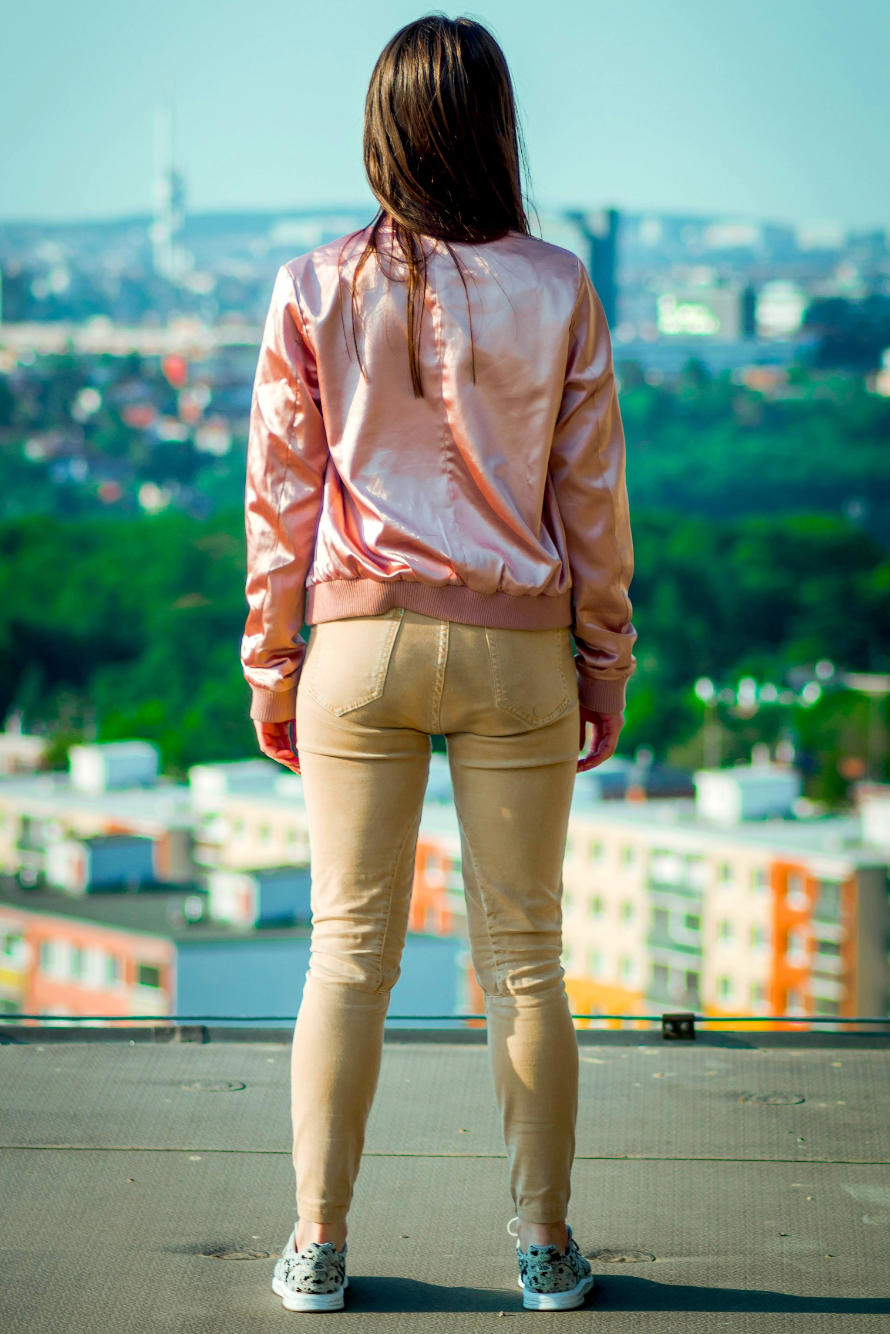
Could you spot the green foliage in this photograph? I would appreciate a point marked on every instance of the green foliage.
(717, 449)
(761, 527)
(133, 627)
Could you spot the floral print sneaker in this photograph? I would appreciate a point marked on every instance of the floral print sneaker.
(313, 1279)
(551, 1280)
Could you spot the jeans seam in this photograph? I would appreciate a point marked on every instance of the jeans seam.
(439, 687)
(498, 966)
(385, 933)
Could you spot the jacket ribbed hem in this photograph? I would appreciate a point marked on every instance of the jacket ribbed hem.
(339, 598)
(602, 696)
(273, 706)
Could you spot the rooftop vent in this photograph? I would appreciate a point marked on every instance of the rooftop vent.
(113, 764)
(746, 792)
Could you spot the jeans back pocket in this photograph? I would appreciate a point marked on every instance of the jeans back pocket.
(346, 661)
(533, 673)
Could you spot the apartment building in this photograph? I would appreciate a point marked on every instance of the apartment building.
(103, 954)
(727, 905)
(20, 751)
(247, 814)
(91, 928)
(110, 820)
(157, 953)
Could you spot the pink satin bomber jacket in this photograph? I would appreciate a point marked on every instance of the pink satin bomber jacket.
(498, 501)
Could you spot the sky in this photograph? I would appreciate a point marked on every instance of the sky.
(775, 109)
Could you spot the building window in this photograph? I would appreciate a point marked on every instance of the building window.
(796, 947)
(828, 902)
(628, 854)
(660, 978)
(11, 945)
(112, 969)
(724, 873)
(692, 921)
(596, 905)
(666, 868)
(758, 877)
(691, 981)
(148, 975)
(757, 936)
(264, 833)
(78, 963)
(832, 947)
(47, 956)
(626, 967)
(724, 930)
(660, 921)
(566, 899)
(596, 850)
(724, 987)
(757, 993)
(627, 911)
(594, 963)
(697, 872)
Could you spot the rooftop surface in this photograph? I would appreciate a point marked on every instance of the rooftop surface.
(155, 910)
(737, 1182)
(162, 803)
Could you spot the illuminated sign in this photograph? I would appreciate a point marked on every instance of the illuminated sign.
(677, 315)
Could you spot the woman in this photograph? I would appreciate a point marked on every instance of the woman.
(435, 484)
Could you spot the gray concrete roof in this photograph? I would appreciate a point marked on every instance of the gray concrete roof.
(151, 910)
(740, 1182)
(161, 805)
(835, 836)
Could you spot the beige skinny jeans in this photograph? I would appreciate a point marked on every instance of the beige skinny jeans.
(372, 691)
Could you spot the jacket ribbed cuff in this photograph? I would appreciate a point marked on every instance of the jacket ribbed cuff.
(273, 706)
(602, 696)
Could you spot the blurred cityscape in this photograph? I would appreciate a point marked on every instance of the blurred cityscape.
(732, 860)
(128, 347)
(126, 893)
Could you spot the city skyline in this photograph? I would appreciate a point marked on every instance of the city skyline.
(749, 110)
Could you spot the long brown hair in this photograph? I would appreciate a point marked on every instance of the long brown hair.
(442, 149)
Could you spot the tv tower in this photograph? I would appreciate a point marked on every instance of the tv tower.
(600, 231)
(170, 260)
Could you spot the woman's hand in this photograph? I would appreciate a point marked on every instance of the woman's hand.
(606, 728)
(279, 742)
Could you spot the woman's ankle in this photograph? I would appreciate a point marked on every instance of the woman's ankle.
(543, 1234)
(307, 1232)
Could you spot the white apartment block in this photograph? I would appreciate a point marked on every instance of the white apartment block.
(671, 905)
(112, 793)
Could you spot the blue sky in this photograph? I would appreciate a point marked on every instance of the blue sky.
(751, 108)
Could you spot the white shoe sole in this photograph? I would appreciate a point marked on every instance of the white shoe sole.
(309, 1301)
(556, 1301)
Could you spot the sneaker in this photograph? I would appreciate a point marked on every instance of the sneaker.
(551, 1280)
(313, 1279)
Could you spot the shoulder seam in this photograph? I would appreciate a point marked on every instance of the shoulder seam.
(304, 329)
